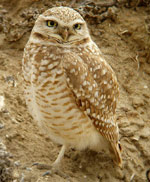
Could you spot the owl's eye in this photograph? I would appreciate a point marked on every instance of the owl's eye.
(51, 23)
(77, 26)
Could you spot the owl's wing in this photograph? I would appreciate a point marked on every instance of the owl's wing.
(95, 89)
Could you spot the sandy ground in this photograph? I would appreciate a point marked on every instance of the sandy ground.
(124, 38)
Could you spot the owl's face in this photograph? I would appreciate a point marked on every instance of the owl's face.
(60, 25)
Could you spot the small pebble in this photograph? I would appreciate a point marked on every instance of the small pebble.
(17, 163)
(145, 86)
(1, 125)
(28, 169)
(1, 102)
(80, 166)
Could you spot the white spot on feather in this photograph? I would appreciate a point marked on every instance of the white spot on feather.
(88, 111)
(85, 83)
(96, 94)
(68, 79)
(72, 70)
(43, 74)
(109, 86)
(102, 96)
(95, 76)
(59, 71)
(92, 99)
(94, 85)
(96, 122)
(90, 88)
(42, 68)
(105, 82)
(88, 83)
(103, 72)
(94, 115)
(44, 62)
(88, 96)
(97, 103)
(50, 66)
(98, 116)
(102, 106)
(78, 94)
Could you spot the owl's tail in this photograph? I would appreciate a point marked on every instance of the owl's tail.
(117, 150)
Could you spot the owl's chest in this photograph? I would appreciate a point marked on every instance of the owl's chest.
(49, 94)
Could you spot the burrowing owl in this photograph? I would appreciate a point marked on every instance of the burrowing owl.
(70, 89)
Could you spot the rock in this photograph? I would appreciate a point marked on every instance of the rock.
(2, 125)
(6, 172)
(137, 102)
(145, 133)
(1, 102)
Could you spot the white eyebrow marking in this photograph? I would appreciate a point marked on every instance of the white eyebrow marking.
(61, 22)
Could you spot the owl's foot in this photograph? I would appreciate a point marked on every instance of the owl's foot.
(42, 166)
(56, 171)
(55, 167)
(52, 169)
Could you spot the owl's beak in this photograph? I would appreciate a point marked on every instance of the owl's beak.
(65, 34)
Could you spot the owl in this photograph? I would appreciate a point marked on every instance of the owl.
(70, 90)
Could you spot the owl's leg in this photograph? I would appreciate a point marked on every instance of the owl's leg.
(56, 164)
(60, 156)
(54, 168)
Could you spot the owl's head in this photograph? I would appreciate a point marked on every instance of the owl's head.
(60, 25)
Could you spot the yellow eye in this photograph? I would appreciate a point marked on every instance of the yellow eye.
(77, 26)
(51, 23)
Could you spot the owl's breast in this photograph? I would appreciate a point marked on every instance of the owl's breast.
(48, 96)
(52, 103)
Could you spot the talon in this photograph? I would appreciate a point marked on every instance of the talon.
(47, 173)
(35, 164)
(42, 166)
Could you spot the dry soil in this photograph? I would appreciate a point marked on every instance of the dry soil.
(123, 35)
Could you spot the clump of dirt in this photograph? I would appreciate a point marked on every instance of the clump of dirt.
(6, 165)
(121, 29)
